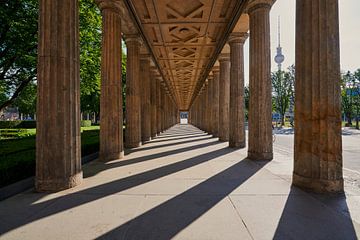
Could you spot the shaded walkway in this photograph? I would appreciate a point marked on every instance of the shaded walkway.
(184, 185)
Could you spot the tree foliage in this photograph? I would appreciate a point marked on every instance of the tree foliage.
(283, 91)
(18, 47)
(90, 56)
(350, 96)
(18, 54)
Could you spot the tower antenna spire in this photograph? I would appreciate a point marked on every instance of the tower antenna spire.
(279, 58)
(279, 29)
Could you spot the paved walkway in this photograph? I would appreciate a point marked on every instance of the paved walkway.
(183, 185)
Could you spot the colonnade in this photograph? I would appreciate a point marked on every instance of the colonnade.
(150, 108)
(318, 147)
(218, 108)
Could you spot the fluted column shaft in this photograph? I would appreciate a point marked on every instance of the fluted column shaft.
(318, 145)
(224, 97)
(260, 117)
(158, 105)
(111, 116)
(215, 102)
(206, 106)
(237, 104)
(209, 104)
(58, 164)
(145, 98)
(153, 100)
(133, 106)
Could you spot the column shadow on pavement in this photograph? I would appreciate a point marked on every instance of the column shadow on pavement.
(305, 217)
(66, 202)
(171, 217)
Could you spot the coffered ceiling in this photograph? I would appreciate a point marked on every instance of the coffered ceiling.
(185, 37)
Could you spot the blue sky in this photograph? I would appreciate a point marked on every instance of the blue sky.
(349, 34)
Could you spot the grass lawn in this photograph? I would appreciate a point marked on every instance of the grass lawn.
(17, 156)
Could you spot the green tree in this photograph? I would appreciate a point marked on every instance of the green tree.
(283, 91)
(247, 101)
(347, 99)
(90, 56)
(26, 101)
(357, 97)
(18, 47)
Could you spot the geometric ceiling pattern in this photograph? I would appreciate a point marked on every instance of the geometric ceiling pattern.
(183, 35)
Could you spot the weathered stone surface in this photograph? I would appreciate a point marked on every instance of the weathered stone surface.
(215, 96)
(133, 106)
(260, 109)
(111, 116)
(145, 98)
(318, 145)
(153, 100)
(58, 145)
(210, 104)
(237, 103)
(224, 97)
(158, 105)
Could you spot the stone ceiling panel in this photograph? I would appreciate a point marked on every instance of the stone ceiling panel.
(184, 36)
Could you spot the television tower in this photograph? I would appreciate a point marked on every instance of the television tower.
(279, 58)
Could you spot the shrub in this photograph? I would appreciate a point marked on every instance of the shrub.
(17, 160)
(17, 124)
(27, 124)
(85, 123)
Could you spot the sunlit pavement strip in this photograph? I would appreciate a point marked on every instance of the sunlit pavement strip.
(184, 185)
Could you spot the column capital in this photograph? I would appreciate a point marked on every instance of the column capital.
(215, 69)
(108, 4)
(133, 38)
(145, 57)
(238, 37)
(223, 57)
(259, 4)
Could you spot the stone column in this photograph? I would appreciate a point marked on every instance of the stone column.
(318, 146)
(237, 103)
(162, 106)
(158, 105)
(215, 102)
(58, 161)
(145, 98)
(153, 99)
(224, 97)
(133, 107)
(260, 112)
(210, 104)
(111, 117)
(206, 106)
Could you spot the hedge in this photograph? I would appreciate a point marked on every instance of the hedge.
(85, 123)
(17, 160)
(17, 124)
(31, 124)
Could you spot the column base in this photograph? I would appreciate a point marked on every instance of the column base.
(132, 145)
(222, 139)
(237, 144)
(55, 185)
(111, 156)
(318, 185)
(146, 139)
(260, 155)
